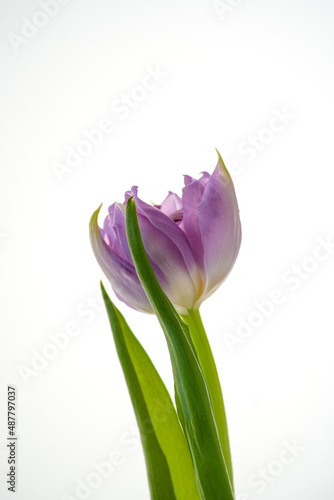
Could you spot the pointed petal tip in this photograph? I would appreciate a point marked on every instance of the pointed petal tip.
(94, 216)
(93, 225)
(223, 168)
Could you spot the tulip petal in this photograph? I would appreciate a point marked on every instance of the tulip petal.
(111, 236)
(219, 225)
(117, 217)
(205, 178)
(171, 203)
(168, 248)
(172, 206)
(191, 197)
(167, 258)
(120, 273)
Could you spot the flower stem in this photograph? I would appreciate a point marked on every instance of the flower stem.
(209, 370)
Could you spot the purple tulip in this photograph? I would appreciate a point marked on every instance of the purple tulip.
(192, 242)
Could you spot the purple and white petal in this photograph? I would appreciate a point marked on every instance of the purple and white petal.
(168, 264)
(121, 274)
(219, 224)
(186, 263)
(191, 197)
(172, 203)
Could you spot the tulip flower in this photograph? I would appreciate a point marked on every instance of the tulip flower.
(191, 241)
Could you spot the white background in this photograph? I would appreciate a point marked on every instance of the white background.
(227, 72)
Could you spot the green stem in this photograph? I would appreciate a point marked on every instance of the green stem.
(209, 370)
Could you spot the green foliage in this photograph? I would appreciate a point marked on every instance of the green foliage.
(168, 460)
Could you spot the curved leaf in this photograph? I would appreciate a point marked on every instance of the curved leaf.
(168, 461)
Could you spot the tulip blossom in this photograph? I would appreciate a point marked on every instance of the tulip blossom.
(191, 241)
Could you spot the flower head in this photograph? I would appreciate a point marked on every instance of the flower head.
(191, 241)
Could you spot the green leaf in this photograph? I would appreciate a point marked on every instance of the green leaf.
(191, 392)
(168, 461)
